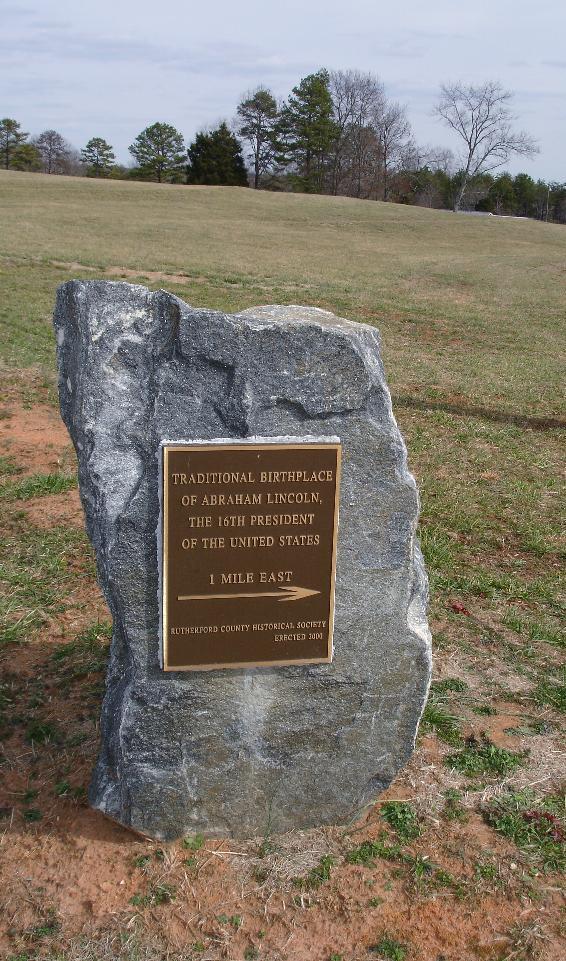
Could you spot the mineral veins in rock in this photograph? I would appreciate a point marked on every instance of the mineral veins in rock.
(242, 752)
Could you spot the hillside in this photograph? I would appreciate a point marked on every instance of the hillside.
(473, 296)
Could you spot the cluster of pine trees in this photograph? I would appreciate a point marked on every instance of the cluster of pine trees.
(337, 133)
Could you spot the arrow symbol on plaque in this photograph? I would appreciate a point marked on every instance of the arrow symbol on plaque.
(283, 594)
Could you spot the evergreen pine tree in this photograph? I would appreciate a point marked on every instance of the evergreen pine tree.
(26, 157)
(257, 125)
(11, 136)
(216, 159)
(98, 157)
(158, 151)
(308, 131)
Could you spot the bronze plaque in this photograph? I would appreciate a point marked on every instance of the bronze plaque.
(248, 554)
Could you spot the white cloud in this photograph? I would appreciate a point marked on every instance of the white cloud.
(112, 67)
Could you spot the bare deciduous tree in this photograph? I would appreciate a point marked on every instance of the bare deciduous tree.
(438, 158)
(394, 133)
(54, 151)
(481, 117)
(358, 98)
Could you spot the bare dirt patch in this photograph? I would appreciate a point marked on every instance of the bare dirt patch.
(127, 273)
(65, 508)
(36, 438)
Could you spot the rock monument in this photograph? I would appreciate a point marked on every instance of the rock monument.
(188, 421)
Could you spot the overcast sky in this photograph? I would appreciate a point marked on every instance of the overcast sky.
(116, 66)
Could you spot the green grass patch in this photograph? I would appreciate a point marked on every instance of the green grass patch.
(550, 693)
(402, 817)
(437, 718)
(39, 485)
(9, 467)
(366, 852)
(34, 574)
(536, 825)
(448, 684)
(482, 758)
(389, 949)
(86, 654)
(42, 732)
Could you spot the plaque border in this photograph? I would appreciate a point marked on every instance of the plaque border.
(162, 542)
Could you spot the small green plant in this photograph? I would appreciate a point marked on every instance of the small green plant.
(445, 725)
(389, 949)
(551, 693)
(193, 843)
(142, 860)
(198, 946)
(9, 466)
(33, 814)
(402, 817)
(421, 867)
(86, 654)
(486, 871)
(162, 893)
(157, 894)
(453, 810)
(250, 954)
(484, 758)
(368, 851)
(531, 728)
(449, 684)
(336, 957)
(46, 930)
(65, 789)
(443, 879)
(375, 902)
(317, 875)
(537, 826)
(42, 732)
(30, 795)
(235, 920)
(484, 710)
(266, 848)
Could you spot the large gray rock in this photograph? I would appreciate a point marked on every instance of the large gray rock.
(242, 752)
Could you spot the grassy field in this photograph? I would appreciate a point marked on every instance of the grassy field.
(477, 302)
(472, 316)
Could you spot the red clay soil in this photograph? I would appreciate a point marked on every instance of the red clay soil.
(36, 438)
(67, 871)
(47, 512)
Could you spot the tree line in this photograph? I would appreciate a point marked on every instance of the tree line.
(336, 133)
